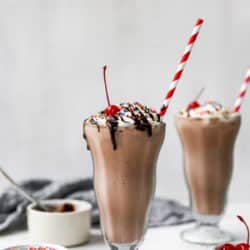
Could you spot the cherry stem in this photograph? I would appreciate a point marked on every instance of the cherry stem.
(199, 94)
(105, 84)
(244, 222)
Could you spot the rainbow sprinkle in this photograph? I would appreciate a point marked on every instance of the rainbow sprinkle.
(31, 248)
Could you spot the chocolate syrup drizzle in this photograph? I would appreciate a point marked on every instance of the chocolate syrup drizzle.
(84, 134)
(140, 122)
(113, 125)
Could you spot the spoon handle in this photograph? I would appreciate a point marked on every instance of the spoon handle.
(17, 187)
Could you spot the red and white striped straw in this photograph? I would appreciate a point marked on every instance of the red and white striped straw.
(242, 92)
(181, 66)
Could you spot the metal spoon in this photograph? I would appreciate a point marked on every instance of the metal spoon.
(24, 193)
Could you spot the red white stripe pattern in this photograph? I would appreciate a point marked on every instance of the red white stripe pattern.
(181, 66)
(242, 92)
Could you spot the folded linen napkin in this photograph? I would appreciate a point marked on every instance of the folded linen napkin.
(13, 206)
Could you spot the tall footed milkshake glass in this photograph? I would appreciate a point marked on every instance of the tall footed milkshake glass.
(124, 148)
(208, 135)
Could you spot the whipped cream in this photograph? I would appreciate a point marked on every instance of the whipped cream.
(130, 114)
(209, 109)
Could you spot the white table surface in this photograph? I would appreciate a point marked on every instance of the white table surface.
(156, 238)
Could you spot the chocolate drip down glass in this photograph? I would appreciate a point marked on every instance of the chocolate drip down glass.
(124, 180)
(208, 146)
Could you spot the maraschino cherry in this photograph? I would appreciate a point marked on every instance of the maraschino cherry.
(244, 246)
(195, 104)
(226, 246)
(111, 110)
(241, 246)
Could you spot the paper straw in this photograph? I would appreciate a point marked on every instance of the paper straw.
(242, 92)
(181, 67)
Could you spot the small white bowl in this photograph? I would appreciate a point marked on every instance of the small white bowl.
(60, 228)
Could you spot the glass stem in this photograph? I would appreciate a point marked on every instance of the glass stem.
(123, 246)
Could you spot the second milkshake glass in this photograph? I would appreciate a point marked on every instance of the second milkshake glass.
(208, 146)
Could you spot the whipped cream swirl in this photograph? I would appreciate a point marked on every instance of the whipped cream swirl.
(209, 109)
(130, 114)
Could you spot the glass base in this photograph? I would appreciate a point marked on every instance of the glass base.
(206, 235)
(121, 246)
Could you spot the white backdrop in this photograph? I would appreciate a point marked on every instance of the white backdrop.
(51, 54)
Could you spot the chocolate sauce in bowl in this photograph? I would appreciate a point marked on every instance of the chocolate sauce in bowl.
(62, 208)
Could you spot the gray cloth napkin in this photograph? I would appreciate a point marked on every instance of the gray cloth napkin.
(13, 206)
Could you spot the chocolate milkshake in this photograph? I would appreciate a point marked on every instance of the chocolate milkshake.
(124, 149)
(208, 135)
